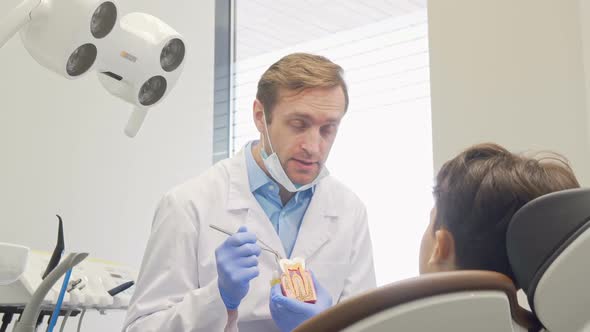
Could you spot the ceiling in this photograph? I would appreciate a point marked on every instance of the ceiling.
(266, 25)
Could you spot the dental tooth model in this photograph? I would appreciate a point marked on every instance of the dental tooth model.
(296, 281)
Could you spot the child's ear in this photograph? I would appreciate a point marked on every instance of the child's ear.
(443, 253)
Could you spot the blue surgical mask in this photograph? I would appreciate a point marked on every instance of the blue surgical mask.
(274, 167)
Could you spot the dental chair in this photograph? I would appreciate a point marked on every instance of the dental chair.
(548, 243)
(457, 301)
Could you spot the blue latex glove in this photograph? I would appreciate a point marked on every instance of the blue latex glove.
(289, 313)
(237, 264)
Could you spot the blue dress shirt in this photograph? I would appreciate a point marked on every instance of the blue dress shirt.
(286, 219)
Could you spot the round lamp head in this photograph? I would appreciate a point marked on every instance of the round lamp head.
(172, 54)
(81, 60)
(152, 91)
(103, 20)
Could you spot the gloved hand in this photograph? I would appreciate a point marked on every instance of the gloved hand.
(237, 264)
(289, 313)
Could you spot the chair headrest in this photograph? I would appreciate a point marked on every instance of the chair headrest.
(406, 291)
(541, 230)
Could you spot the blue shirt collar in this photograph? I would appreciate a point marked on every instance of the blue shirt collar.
(256, 176)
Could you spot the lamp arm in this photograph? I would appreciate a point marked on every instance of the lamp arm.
(135, 121)
(16, 18)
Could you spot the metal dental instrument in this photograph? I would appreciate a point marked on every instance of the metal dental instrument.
(266, 246)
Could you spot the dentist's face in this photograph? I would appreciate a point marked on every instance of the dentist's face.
(302, 129)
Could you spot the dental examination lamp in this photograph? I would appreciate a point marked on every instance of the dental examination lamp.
(63, 36)
(139, 57)
(141, 64)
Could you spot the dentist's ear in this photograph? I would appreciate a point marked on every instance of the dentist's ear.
(258, 115)
(443, 253)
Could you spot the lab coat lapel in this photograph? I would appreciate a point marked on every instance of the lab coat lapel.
(319, 222)
(258, 223)
(242, 203)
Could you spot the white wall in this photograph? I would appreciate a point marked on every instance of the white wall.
(62, 149)
(511, 72)
(584, 18)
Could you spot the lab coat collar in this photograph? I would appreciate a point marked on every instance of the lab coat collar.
(314, 231)
(239, 195)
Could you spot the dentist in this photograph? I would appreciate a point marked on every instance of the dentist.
(278, 190)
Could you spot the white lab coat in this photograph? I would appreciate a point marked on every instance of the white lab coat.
(177, 285)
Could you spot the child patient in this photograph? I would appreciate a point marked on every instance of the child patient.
(476, 194)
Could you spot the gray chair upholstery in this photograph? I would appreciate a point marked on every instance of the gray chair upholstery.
(450, 301)
(548, 245)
